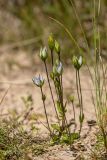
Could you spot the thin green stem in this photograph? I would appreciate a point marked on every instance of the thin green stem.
(74, 115)
(91, 76)
(59, 88)
(78, 96)
(52, 59)
(69, 133)
(77, 87)
(82, 114)
(51, 90)
(80, 91)
(45, 112)
(59, 57)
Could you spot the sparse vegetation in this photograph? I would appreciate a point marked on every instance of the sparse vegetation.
(66, 125)
(16, 141)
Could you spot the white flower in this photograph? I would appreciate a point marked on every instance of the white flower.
(77, 62)
(58, 68)
(39, 81)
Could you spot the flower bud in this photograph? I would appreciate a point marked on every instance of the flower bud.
(57, 47)
(43, 54)
(80, 61)
(43, 97)
(38, 81)
(52, 75)
(58, 68)
(77, 62)
(51, 42)
(71, 98)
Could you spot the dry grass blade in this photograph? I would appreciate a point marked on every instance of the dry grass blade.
(79, 22)
(68, 32)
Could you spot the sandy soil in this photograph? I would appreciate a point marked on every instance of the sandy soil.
(17, 70)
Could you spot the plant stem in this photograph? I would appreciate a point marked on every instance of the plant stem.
(52, 60)
(77, 87)
(51, 90)
(73, 111)
(68, 132)
(81, 100)
(74, 115)
(59, 57)
(60, 91)
(45, 112)
(61, 83)
(104, 137)
(80, 91)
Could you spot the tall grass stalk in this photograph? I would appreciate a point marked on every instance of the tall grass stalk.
(69, 34)
(80, 24)
(99, 80)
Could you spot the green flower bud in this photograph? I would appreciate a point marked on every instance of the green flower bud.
(52, 75)
(77, 62)
(57, 62)
(43, 54)
(57, 47)
(43, 97)
(51, 42)
(71, 98)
